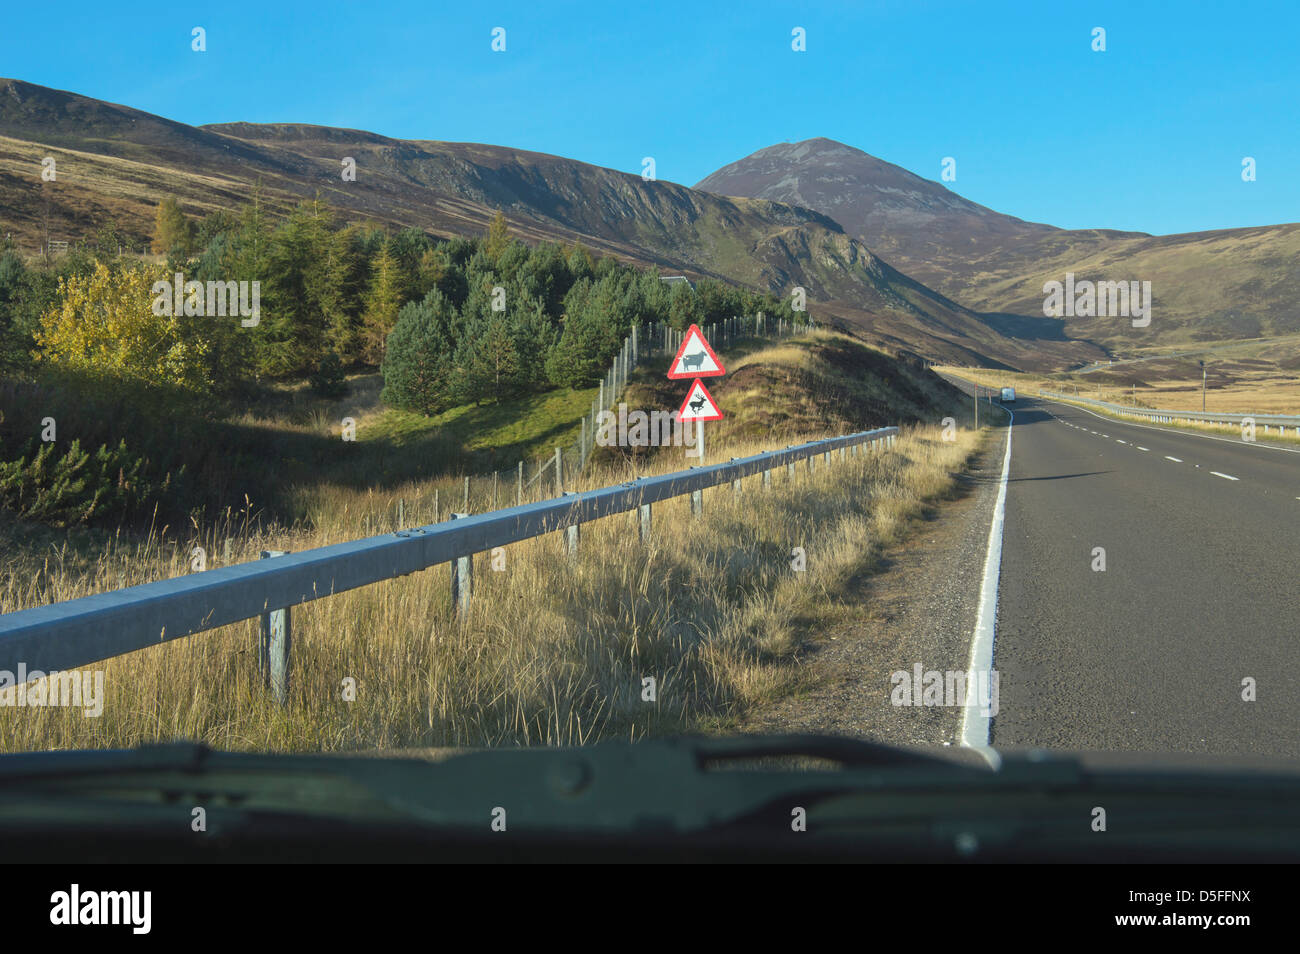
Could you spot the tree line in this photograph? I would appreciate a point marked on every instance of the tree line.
(448, 322)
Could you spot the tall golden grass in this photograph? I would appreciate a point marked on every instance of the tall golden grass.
(554, 650)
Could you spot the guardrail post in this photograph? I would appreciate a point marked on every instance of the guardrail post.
(572, 532)
(559, 473)
(767, 479)
(812, 463)
(185, 605)
(735, 484)
(273, 646)
(462, 577)
(826, 458)
(789, 470)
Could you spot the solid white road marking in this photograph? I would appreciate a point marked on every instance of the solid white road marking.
(974, 723)
(1174, 459)
(1224, 476)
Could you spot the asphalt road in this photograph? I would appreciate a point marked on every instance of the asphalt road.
(1199, 593)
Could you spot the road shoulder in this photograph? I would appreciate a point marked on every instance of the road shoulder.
(920, 611)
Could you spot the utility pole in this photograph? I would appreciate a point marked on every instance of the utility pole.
(977, 407)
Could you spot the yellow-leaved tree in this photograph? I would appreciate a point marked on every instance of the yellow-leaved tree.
(105, 326)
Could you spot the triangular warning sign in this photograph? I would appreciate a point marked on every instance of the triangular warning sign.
(699, 404)
(695, 359)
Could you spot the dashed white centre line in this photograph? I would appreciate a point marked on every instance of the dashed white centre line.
(1174, 459)
(1118, 441)
(1224, 476)
(1140, 447)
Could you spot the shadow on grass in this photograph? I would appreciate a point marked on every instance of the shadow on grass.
(200, 459)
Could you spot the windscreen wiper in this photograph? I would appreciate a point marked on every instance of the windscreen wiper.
(751, 798)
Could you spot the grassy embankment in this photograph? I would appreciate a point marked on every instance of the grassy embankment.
(554, 650)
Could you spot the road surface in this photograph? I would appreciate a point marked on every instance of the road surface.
(1199, 596)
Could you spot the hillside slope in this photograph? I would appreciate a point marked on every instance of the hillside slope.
(117, 163)
(818, 384)
(1207, 286)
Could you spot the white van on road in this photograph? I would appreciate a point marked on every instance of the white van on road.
(1008, 394)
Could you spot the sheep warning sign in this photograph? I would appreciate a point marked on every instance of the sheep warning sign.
(695, 359)
(699, 404)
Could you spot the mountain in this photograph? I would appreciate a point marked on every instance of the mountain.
(117, 163)
(900, 215)
(1207, 286)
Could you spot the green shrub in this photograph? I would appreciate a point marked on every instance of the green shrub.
(74, 487)
(328, 379)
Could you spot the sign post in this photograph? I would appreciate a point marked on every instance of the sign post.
(695, 360)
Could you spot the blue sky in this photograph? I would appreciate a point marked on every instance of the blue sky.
(1148, 135)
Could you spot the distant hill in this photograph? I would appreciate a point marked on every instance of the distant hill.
(899, 214)
(1208, 286)
(117, 163)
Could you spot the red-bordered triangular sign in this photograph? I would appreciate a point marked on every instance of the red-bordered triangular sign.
(699, 404)
(695, 359)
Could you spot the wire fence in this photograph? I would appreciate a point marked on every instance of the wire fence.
(545, 477)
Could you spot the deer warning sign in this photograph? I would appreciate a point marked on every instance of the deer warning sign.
(695, 359)
(699, 404)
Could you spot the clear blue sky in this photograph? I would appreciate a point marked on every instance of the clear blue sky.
(1148, 135)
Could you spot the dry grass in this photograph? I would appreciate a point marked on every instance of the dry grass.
(553, 651)
(1266, 394)
(1263, 390)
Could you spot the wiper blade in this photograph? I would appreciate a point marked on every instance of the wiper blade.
(662, 791)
